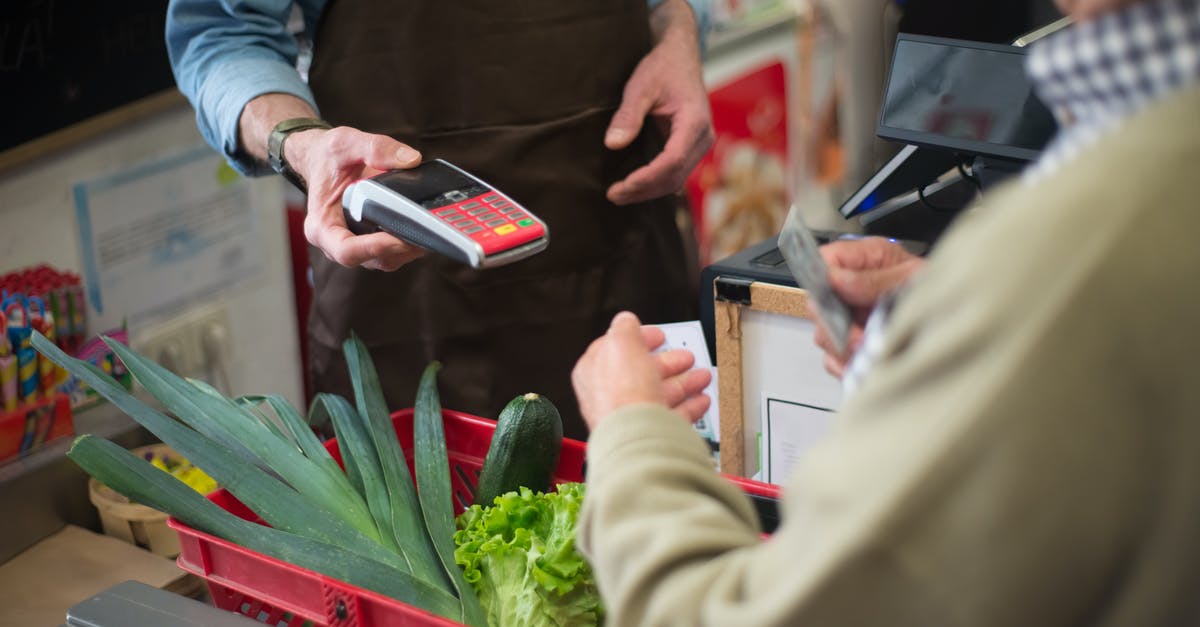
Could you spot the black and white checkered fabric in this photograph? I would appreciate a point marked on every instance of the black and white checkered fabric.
(1093, 76)
(872, 345)
(1096, 74)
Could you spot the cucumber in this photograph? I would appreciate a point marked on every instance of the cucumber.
(524, 450)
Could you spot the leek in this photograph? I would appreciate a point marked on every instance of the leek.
(432, 464)
(139, 480)
(276, 502)
(223, 421)
(403, 515)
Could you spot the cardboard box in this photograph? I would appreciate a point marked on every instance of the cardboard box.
(40, 584)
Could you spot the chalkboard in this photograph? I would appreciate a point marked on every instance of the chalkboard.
(63, 62)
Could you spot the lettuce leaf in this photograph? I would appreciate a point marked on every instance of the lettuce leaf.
(519, 555)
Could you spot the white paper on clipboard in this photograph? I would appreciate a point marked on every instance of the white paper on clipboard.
(163, 234)
(789, 430)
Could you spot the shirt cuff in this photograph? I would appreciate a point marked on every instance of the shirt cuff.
(224, 95)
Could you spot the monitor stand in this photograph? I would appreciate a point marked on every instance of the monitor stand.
(991, 171)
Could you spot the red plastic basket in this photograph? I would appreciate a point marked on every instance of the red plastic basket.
(278, 593)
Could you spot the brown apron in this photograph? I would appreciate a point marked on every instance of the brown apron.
(520, 94)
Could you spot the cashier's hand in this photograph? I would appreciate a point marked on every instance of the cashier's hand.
(861, 271)
(668, 86)
(618, 369)
(329, 160)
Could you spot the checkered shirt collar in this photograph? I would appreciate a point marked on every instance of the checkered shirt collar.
(1096, 74)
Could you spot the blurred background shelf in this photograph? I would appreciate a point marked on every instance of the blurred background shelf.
(47, 491)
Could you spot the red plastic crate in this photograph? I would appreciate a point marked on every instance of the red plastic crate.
(278, 593)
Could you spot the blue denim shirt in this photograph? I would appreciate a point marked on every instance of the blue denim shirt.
(224, 53)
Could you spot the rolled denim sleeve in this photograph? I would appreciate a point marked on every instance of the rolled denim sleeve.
(226, 53)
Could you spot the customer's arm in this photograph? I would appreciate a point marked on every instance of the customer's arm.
(977, 478)
(673, 543)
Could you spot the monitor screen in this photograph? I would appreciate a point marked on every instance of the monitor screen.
(965, 97)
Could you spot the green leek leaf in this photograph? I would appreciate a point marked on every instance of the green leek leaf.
(276, 502)
(222, 421)
(142, 482)
(432, 465)
(404, 510)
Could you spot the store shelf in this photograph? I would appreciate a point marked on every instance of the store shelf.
(734, 36)
(103, 420)
(44, 491)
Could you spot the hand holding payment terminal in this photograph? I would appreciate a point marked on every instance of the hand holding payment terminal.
(442, 208)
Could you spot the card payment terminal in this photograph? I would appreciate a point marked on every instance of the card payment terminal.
(439, 206)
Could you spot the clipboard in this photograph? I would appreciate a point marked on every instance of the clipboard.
(763, 337)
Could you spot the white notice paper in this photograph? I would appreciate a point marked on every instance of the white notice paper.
(159, 236)
(789, 430)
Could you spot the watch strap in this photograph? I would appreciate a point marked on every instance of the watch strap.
(275, 146)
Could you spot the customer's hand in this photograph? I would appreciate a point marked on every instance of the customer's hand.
(618, 369)
(1084, 10)
(668, 86)
(329, 161)
(861, 271)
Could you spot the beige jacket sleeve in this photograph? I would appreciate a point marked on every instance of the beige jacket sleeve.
(1023, 454)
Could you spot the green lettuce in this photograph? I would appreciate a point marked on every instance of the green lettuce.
(519, 555)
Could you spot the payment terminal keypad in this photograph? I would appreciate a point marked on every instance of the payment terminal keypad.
(488, 218)
(442, 208)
